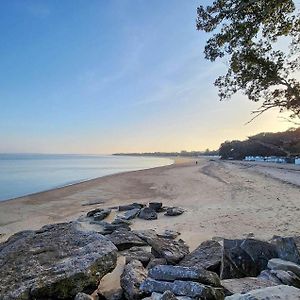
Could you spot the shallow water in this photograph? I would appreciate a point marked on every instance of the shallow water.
(23, 174)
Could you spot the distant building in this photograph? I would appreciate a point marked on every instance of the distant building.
(273, 159)
(297, 161)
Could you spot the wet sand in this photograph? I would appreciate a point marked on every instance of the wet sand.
(225, 199)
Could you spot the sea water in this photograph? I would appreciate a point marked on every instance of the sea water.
(23, 174)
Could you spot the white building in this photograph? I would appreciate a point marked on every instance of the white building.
(297, 161)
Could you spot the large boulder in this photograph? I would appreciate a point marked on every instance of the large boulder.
(286, 249)
(206, 256)
(183, 288)
(172, 273)
(245, 285)
(284, 265)
(124, 239)
(280, 292)
(55, 262)
(133, 275)
(245, 258)
(173, 251)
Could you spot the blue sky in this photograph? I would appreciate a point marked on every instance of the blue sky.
(103, 76)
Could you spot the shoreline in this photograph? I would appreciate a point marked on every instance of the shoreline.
(81, 182)
(221, 199)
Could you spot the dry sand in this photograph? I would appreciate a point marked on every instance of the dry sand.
(224, 199)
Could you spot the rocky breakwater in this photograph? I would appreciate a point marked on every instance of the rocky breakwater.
(63, 260)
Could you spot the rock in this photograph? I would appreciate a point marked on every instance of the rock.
(287, 277)
(92, 212)
(137, 253)
(131, 206)
(168, 295)
(124, 239)
(99, 216)
(57, 261)
(157, 206)
(207, 256)
(131, 214)
(244, 285)
(147, 213)
(172, 251)
(269, 275)
(83, 296)
(280, 264)
(171, 273)
(280, 292)
(245, 258)
(107, 228)
(182, 288)
(286, 249)
(174, 211)
(120, 221)
(155, 262)
(133, 275)
(169, 234)
(146, 235)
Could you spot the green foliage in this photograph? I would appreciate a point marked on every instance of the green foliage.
(285, 143)
(248, 34)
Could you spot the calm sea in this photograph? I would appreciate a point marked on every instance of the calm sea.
(23, 174)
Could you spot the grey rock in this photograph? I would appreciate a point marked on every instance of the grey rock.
(171, 273)
(157, 206)
(83, 296)
(169, 234)
(286, 249)
(133, 275)
(131, 214)
(121, 221)
(182, 288)
(57, 261)
(107, 228)
(124, 239)
(245, 285)
(146, 235)
(147, 213)
(130, 206)
(92, 212)
(101, 215)
(207, 256)
(137, 253)
(287, 277)
(245, 258)
(280, 264)
(173, 251)
(168, 295)
(280, 292)
(174, 211)
(269, 275)
(155, 262)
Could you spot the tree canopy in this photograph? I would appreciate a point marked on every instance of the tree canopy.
(261, 40)
(285, 143)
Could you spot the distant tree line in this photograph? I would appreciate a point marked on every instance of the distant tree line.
(286, 144)
(183, 153)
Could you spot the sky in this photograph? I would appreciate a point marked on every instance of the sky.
(106, 76)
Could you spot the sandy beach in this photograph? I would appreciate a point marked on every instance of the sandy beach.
(221, 199)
